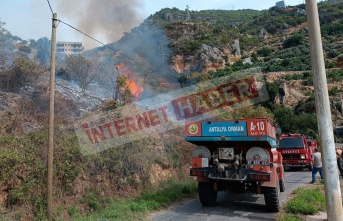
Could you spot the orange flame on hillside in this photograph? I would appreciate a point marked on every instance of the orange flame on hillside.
(124, 71)
(136, 91)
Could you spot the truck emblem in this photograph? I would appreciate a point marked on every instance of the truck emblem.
(193, 128)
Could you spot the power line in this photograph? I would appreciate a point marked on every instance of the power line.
(50, 7)
(114, 50)
(90, 37)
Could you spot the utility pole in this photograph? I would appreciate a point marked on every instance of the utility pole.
(327, 142)
(51, 115)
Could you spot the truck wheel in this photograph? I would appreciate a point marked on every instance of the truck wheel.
(310, 167)
(272, 197)
(207, 195)
(282, 186)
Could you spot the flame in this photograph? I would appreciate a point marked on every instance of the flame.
(124, 71)
(136, 91)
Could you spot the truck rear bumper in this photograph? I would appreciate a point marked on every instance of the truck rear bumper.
(229, 175)
(296, 163)
(244, 178)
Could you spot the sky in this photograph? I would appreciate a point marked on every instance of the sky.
(104, 20)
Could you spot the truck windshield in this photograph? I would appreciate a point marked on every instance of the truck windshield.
(292, 142)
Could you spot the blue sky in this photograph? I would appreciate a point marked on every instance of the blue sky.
(31, 19)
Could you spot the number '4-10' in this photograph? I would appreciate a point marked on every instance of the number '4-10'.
(259, 125)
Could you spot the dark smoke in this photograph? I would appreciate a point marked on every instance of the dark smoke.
(105, 20)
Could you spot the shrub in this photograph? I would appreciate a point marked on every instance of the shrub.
(307, 201)
(73, 211)
(296, 123)
(294, 41)
(265, 51)
(22, 72)
(273, 90)
(288, 77)
(334, 91)
(307, 76)
(308, 93)
(335, 75)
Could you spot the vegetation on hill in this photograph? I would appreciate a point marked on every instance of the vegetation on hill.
(285, 46)
(275, 20)
(221, 19)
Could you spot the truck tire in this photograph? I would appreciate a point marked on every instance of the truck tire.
(310, 167)
(207, 195)
(272, 197)
(282, 186)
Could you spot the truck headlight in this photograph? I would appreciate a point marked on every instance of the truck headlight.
(302, 156)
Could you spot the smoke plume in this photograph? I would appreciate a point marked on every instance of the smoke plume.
(105, 20)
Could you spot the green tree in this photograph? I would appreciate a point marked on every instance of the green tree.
(273, 90)
(285, 119)
(306, 122)
(265, 51)
(294, 40)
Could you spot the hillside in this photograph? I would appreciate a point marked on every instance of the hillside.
(196, 46)
(185, 42)
(167, 51)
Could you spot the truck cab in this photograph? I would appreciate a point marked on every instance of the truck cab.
(296, 150)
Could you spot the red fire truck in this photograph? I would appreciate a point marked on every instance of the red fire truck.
(237, 155)
(296, 150)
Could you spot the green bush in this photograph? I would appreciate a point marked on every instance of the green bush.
(19, 215)
(307, 76)
(332, 29)
(334, 91)
(91, 200)
(302, 122)
(308, 93)
(294, 40)
(135, 209)
(273, 90)
(288, 77)
(307, 201)
(73, 211)
(299, 205)
(265, 51)
(335, 75)
(23, 160)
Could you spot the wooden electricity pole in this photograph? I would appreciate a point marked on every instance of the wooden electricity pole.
(327, 142)
(51, 116)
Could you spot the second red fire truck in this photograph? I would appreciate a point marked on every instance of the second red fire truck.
(296, 150)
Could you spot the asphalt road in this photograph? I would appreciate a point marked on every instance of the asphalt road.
(231, 206)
